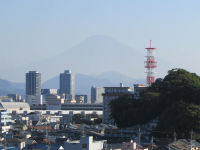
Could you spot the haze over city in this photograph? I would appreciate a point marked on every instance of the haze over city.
(35, 31)
(99, 75)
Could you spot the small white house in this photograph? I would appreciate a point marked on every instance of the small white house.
(85, 143)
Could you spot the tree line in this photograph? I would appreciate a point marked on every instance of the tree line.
(174, 101)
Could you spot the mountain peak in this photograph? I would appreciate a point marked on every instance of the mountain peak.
(95, 55)
(100, 42)
(99, 37)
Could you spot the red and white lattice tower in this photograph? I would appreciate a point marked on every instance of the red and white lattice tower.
(150, 65)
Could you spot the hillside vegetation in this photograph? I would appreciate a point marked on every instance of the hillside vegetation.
(174, 101)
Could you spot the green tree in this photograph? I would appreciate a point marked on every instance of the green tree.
(174, 100)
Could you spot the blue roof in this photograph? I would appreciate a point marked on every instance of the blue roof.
(44, 146)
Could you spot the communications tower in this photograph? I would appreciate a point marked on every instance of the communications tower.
(150, 65)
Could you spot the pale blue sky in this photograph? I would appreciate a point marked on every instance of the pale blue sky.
(50, 27)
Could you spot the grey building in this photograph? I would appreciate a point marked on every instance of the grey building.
(96, 95)
(139, 88)
(33, 87)
(86, 98)
(15, 97)
(46, 92)
(112, 93)
(67, 84)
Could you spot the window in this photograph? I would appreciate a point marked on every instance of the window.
(84, 145)
(128, 147)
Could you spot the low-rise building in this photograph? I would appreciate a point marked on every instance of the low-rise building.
(86, 98)
(79, 99)
(132, 146)
(6, 99)
(46, 92)
(82, 107)
(15, 106)
(184, 144)
(70, 101)
(53, 102)
(5, 121)
(15, 97)
(85, 143)
(139, 88)
(17, 143)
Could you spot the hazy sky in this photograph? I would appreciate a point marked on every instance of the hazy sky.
(33, 30)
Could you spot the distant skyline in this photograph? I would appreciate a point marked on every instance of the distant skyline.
(33, 31)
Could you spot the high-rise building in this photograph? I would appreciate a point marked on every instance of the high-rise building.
(67, 84)
(33, 87)
(96, 95)
(112, 93)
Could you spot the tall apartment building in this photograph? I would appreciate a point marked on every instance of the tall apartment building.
(67, 84)
(96, 95)
(33, 88)
(110, 94)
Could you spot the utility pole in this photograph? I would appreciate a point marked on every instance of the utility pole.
(152, 143)
(174, 136)
(47, 134)
(191, 139)
(139, 136)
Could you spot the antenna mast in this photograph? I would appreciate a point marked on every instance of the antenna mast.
(150, 65)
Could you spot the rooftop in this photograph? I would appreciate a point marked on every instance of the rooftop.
(14, 105)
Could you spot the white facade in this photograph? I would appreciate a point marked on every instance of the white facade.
(15, 106)
(85, 143)
(5, 121)
(96, 95)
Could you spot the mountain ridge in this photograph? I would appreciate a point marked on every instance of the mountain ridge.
(94, 55)
(8, 87)
(83, 83)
